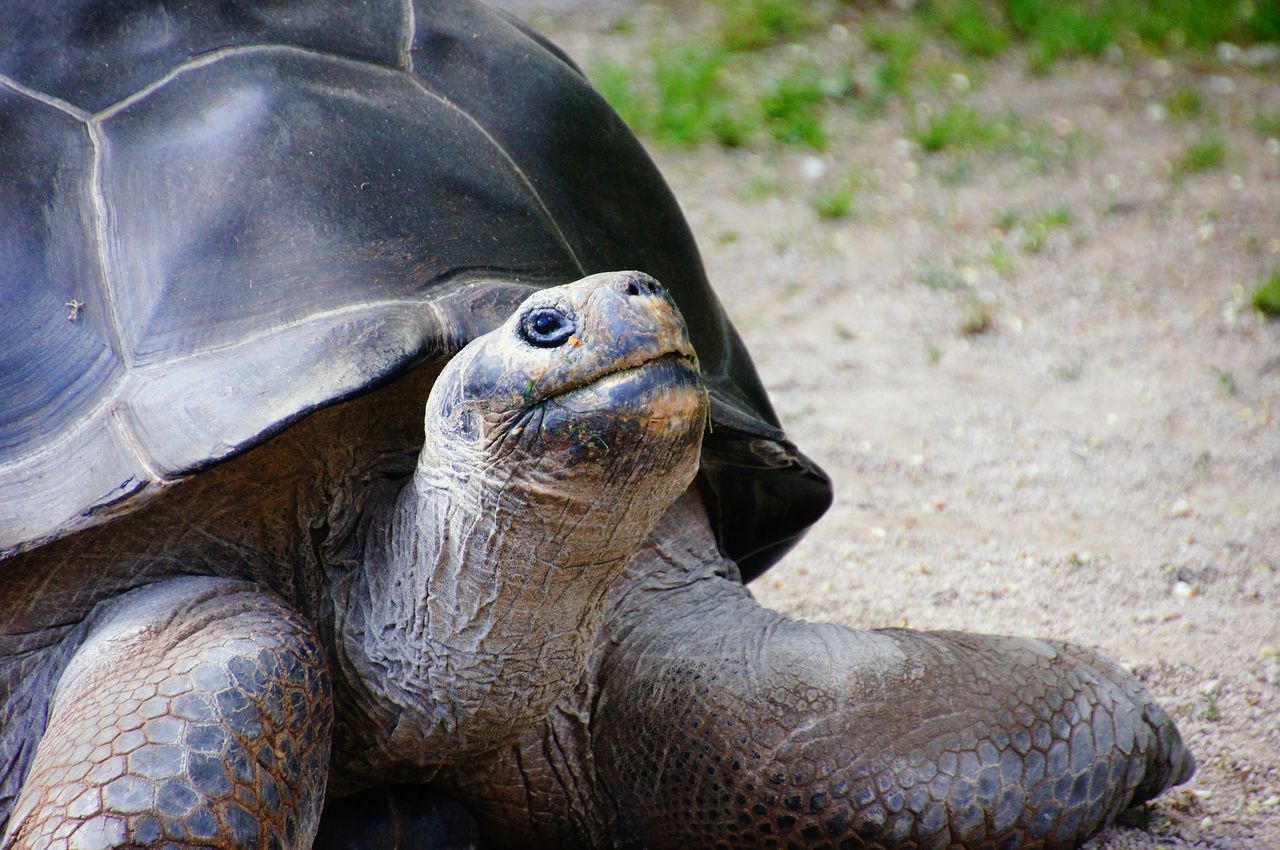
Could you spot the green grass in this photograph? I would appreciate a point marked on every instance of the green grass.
(1184, 103)
(688, 95)
(999, 260)
(835, 201)
(1007, 220)
(897, 48)
(1204, 155)
(978, 317)
(1266, 295)
(1037, 229)
(1059, 29)
(959, 126)
(791, 107)
(756, 24)
(685, 103)
(979, 29)
(1267, 123)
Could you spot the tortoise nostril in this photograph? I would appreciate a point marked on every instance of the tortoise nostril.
(640, 285)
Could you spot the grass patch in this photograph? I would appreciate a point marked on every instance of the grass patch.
(999, 259)
(695, 91)
(756, 24)
(978, 318)
(1185, 103)
(1266, 295)
(959, 127)
(686, 102)
(837, 200)
(1007, 220)
(761, 187)
(834, 202)
(1207, 154)
(1037, 230)
(1267, 123)
(979, 29)
(898, 48)
(1060, 29)
(791, 107)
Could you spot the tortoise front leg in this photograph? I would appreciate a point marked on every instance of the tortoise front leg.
(197, 713)
(720, 723)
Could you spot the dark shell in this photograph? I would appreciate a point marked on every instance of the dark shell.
(218, 217)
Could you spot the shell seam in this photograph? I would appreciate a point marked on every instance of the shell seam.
(190, 65)
(217, 55)
(515, 167)
(98, 200)
(138, 373)
(130, 438)
(411, 32)
(47, 99)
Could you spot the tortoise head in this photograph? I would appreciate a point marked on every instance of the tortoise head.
(591, 381)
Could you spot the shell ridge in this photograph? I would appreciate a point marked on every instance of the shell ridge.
(98, 200)
(45, 98)
(411, 32)
(203, 60)
(129, 437)
(547, 218)
(373, 307)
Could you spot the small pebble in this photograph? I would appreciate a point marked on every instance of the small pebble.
(1206, 822)
(1211, 686)
(1184, 590)
(1180, 508)
(813, 167)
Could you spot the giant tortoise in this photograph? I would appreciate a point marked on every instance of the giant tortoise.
(251, 596)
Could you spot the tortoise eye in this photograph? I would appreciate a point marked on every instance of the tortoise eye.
(547, 327)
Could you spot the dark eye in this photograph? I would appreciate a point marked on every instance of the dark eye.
(547, 327)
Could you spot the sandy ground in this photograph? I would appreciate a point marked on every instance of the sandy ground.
(1102, 464)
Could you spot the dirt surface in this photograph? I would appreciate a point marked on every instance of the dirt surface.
(1101, 462)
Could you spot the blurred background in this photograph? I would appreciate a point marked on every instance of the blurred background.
(1010, 271)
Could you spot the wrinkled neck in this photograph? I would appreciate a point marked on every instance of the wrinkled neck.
(476, 606)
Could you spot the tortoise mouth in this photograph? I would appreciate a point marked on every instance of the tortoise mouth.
(666, 370)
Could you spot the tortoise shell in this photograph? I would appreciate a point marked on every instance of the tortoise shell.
(216, 218)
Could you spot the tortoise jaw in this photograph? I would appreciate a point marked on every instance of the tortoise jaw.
(681, 354)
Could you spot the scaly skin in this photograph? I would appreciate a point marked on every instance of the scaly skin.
(710, 721)
(197, 712)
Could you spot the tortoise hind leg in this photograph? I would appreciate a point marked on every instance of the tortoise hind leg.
(197, 713)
